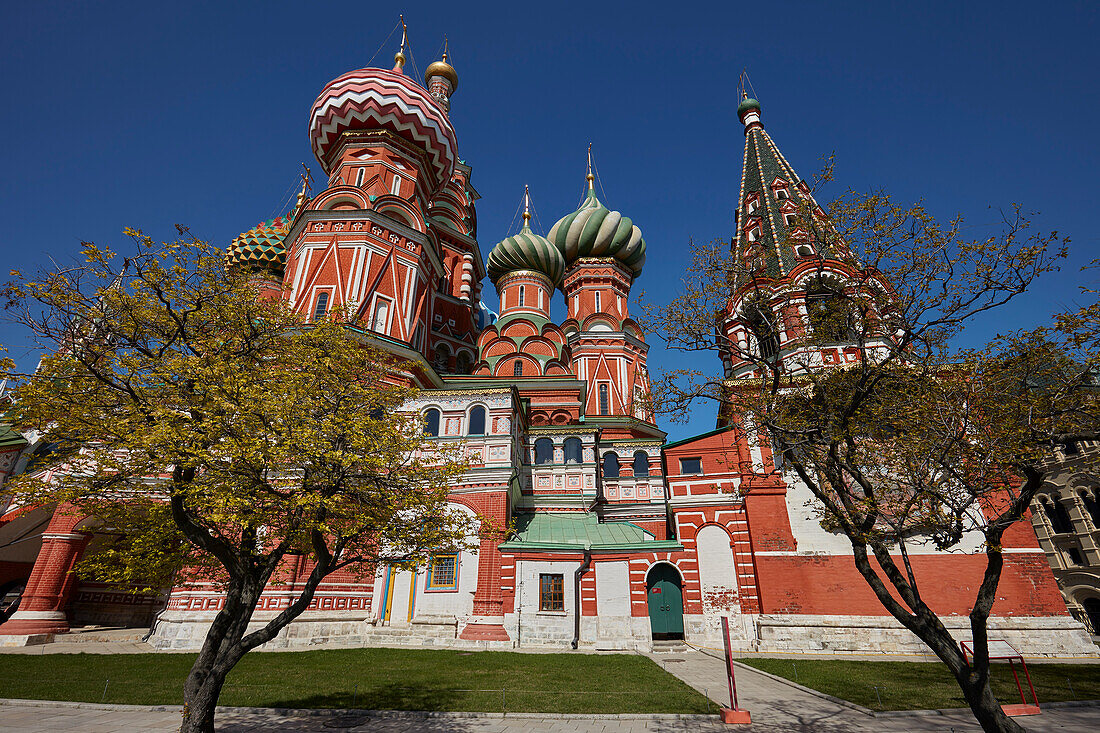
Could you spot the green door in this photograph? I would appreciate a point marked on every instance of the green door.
(666, 603)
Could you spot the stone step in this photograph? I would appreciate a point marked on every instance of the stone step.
(96, 634)
(484, 632)
(669, 647)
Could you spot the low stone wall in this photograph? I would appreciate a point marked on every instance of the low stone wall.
(1041, 636)
(186, 630)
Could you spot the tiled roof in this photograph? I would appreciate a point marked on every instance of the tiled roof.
(261, 247)
(764, 168)
(10, 438)
(546, 531)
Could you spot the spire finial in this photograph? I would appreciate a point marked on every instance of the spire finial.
(526, 206)
(399, 57)
(748, 111)
(589, 177)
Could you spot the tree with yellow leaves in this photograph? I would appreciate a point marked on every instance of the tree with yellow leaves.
(914, 441)
(216, 434)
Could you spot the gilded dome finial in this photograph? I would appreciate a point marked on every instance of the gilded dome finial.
(589, 177)
(526, 206)
(399, 57)
(441, 79)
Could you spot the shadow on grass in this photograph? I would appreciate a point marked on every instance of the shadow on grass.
(383, 697)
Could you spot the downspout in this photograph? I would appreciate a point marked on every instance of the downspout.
(577, 593)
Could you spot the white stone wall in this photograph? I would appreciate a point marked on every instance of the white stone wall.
(613, 627)
(458, 603)
(717, 573)
(812, 538)
(1044, 636)
(532, 627)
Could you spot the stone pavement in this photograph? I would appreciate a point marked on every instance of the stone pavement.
(785, 716)
(776, 705)
(780, 706)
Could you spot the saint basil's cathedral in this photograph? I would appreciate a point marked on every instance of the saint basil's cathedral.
(620, 539)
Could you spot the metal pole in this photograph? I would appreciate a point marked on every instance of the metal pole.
(104, 697)
(729, 662)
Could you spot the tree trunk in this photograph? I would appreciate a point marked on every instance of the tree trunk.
(979, 696)
(973, 677)
(221, 650)
(199, 706)
(227, 640)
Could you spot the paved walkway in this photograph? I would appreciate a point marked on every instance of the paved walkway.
(775, 706)
(778, 706)
(787, 715)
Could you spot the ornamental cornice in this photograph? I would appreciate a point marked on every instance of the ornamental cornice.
(388, 224)
(462, 392)
(562, 429)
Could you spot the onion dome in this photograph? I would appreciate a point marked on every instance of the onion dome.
(595, 231)
(261, 248)
(526, 251)
(444, 69)
(376, 99)
(746, 104)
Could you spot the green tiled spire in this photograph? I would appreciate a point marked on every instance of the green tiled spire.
(772, 204)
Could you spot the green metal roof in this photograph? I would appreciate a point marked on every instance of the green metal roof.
(546, 531)
(10, 438)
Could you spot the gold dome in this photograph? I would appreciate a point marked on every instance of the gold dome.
(442, 68)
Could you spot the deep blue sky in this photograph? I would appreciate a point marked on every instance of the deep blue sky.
(151, 114)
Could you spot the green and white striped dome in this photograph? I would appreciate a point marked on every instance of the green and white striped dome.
(526, 251)
(595, 231)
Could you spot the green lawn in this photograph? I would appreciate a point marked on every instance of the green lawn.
(928, 685)
(378, 679)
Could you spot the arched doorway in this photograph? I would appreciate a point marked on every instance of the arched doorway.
(664, 595)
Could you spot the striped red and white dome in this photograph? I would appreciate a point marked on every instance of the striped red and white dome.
(371, 99)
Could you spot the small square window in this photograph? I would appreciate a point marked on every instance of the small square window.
(551, 592)
(691, 465)
(443, 574)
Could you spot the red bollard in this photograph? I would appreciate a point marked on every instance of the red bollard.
(733, 715)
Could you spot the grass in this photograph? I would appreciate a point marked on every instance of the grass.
(928, 685)
(377, 679)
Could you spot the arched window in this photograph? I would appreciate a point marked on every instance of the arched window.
(605, 407)
(522, 294)
(611, 465)
(321, 306)
(1092, 613)
(517, 368)
(462, 363)
(1092, 506)
(830, 313)
(573, 450)
(544, 451)
(1059, 517)
(442, 361)
(477, 421)
(762, 325)
(431, 422)
(641, 463)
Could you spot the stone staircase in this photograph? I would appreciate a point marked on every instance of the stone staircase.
(669, 646)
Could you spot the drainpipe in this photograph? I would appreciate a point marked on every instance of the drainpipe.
(577, 592)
